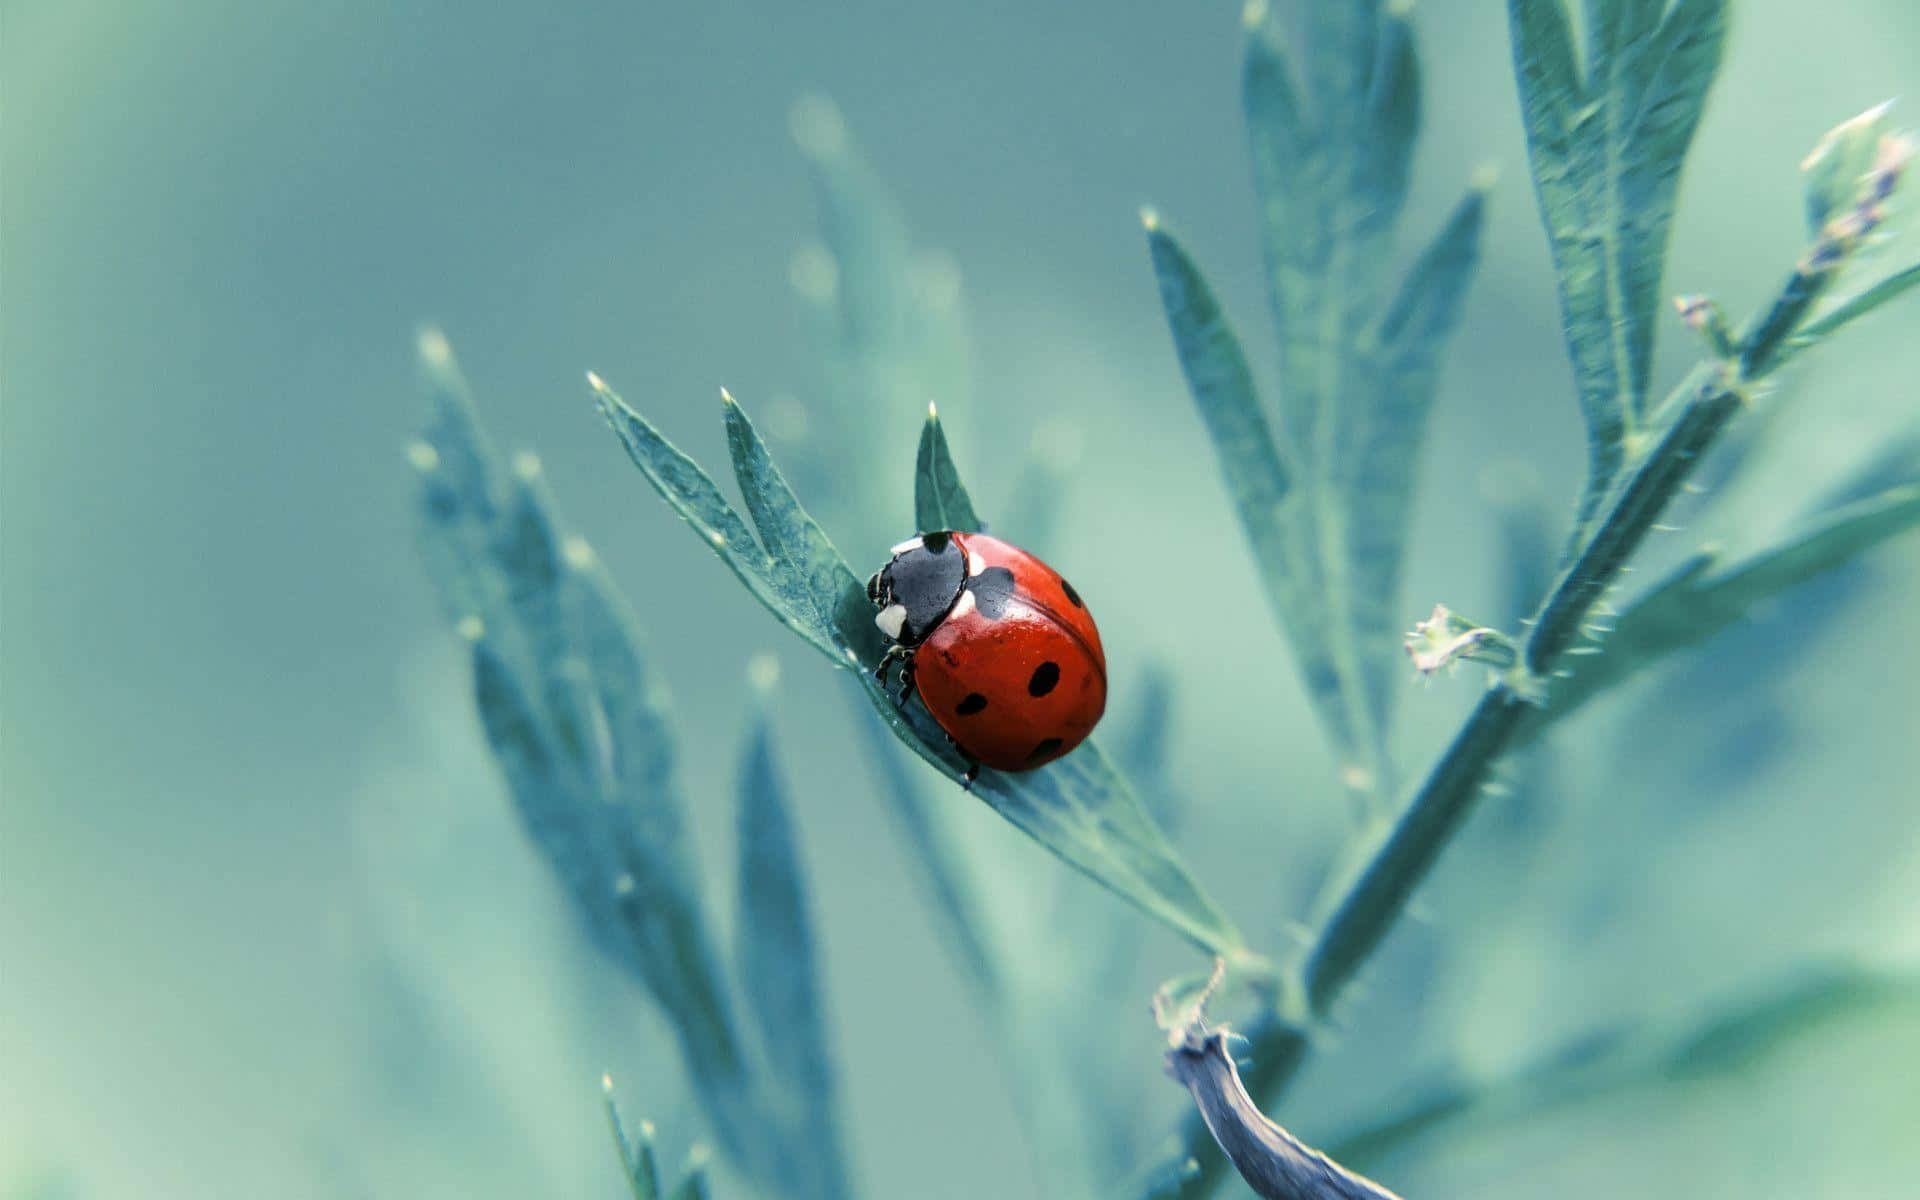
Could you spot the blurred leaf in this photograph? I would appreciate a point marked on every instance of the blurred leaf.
(1327, 505)
(694, 1185)
(1146, 748)
(1771, 1023)
(1704, 596)
(940, 500)
(779, 970)
(1606, 147)
(1849, 310)
(890, 323)
(636, 1153)
(944, 867)
(1077, 807)
(1377, 492)
(1840, 161)
(581, 732)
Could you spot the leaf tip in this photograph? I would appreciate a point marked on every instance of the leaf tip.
(526, 466)
(726, 399)
(596, 383)
(1484, 177)
(933, 411)
(1253, 14)
(1149, 219)
(1400, 8)
(606, 1083)
(471, 627)
(422, 455)
(577, 552)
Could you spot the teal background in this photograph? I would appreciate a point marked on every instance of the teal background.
(266, 927)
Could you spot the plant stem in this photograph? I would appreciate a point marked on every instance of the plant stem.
(1372, 900)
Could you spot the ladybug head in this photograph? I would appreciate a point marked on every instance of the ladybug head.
(918, 586)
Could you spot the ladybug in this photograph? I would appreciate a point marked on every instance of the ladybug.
(1000, 648)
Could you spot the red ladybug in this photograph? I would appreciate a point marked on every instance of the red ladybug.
(1001, 649)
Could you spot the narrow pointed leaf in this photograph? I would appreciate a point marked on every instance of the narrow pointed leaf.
(940, 500)
(805, 561)
(1257, 480)
(779, 972)
(1849, 310)
(580, 730)
(1705, 596)
(1379, 488)
(1722, 1050)
(637, 1160)
(1606, 155)
(694, 1185)
(690, 491)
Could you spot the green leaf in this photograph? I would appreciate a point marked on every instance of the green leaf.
(580, 729)
(1326, 503)
(1722, 1049)
(1077, 807)
(690, 492)
(1705, 596)
(778, 968)
(1387, 434)
(1849, 310)
(944, 867)
(1839, 162)
(694, 1185)
(1606, 151)
(940, 500)
(636, 1154)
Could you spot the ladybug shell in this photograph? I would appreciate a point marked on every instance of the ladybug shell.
(1015, 672)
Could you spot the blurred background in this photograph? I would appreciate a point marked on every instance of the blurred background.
(267, 923)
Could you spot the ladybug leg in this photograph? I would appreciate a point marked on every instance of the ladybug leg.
(893, 655)
(906, 677)
(972, 773)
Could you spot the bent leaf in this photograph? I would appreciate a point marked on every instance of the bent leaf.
(1606, 146)
(1078, 807)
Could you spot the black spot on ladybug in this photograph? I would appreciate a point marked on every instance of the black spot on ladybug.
(1045, 677)
(936, 543)
(1073, 597)
(971, 705)
(1044, 749)
(992, 588)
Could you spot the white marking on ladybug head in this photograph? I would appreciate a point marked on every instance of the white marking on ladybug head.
(891, 620)
(975, 563)
(903, 547)
(964, 604)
